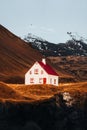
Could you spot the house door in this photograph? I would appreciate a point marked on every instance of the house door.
(44, 80)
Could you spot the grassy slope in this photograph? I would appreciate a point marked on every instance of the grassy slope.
(38, 92)
(8, 93)
(72, 68)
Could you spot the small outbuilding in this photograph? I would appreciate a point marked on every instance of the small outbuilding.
(41, 73)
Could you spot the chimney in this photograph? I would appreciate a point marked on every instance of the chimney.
(44, 61)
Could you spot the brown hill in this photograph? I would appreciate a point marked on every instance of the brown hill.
(7, 93)
(16, 56)
(33, 93)
(71, 68)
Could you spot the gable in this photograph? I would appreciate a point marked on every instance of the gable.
(36, 69)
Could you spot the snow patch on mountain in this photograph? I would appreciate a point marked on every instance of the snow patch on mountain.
(71, 47)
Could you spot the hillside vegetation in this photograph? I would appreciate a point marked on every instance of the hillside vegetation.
(72, 68)
(32, 93)
(8, 93)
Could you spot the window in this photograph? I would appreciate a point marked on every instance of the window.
(54, 81)
(40, 80)
(36, 71)
(41, 71)
(50, 81)
(31, 80)
(30, 72)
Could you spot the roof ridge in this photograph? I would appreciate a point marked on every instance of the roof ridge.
(48, 68)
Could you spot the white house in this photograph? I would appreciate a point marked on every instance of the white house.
(41, 73)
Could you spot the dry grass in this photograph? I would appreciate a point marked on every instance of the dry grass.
(36, 92)
(71, 68)
(32, 93)
(74, 87)
(7, 92)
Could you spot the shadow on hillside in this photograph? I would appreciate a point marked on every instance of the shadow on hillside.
(52, 114)
(15, 80)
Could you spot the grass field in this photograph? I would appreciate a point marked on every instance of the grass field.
(30, 93)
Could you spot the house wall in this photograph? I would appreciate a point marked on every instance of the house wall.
(54, 80)
(38, 78)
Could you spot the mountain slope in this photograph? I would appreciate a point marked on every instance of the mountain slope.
(75, 67)
(16, 56)
(71, 47)
(7, 93)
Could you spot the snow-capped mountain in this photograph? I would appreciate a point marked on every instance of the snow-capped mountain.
(36, 42)
(71, 47)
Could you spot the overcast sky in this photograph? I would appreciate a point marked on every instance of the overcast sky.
(49, 19)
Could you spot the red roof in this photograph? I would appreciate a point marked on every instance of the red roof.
(48, 69)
